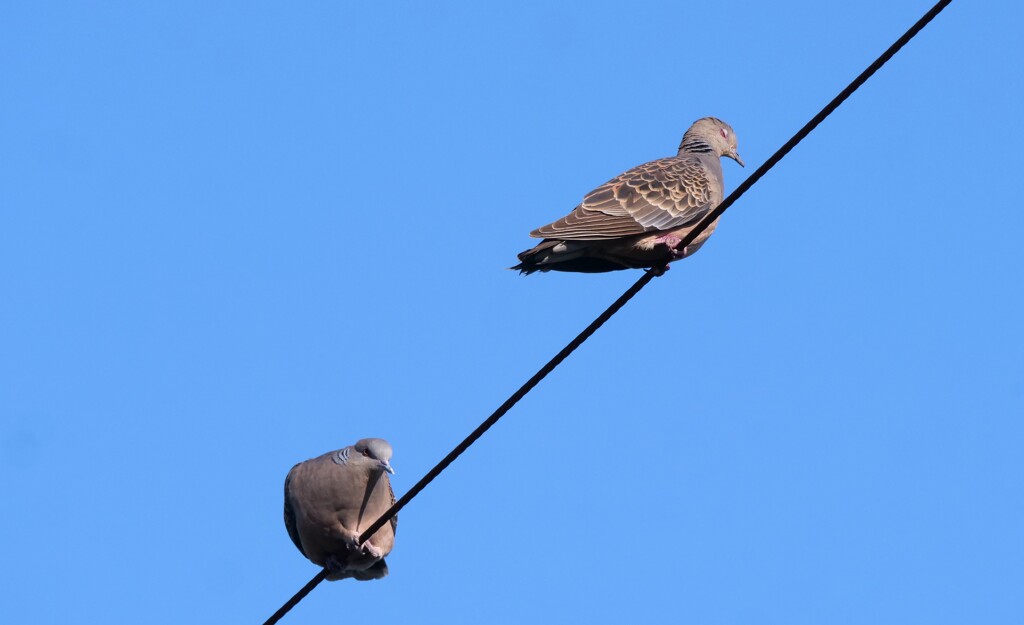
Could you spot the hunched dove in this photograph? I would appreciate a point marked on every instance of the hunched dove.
(331, 499)
(638, 218)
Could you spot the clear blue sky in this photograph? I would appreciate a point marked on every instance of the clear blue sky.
(234, 236)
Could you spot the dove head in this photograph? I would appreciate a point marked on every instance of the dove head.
(376, 451)
(710, 134)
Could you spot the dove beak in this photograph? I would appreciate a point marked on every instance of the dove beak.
(384, 464)
(736, 157)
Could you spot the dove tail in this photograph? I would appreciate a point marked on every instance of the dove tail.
(534, 259)
(524, 269)
(559, 255)
(377, 571)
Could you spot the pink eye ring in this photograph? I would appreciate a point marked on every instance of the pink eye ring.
(725, 133)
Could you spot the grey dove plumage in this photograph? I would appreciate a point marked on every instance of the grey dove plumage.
(638, 218)
(331, 499)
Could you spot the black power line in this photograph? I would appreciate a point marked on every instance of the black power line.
(811, 125)
(299, 596)
(628, 295)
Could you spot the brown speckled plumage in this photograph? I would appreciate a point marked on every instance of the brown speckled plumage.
(633, 220)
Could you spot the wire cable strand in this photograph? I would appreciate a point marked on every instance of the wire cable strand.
(299, 596)
(811, 125)
(625, 297)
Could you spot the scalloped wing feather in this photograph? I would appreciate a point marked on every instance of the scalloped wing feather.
(659, 195)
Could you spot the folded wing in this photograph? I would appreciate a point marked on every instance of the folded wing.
(659, 195)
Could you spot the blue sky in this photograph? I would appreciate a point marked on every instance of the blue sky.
(236, 236)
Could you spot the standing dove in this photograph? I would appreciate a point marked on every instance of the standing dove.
(330, 500)
(638, 218)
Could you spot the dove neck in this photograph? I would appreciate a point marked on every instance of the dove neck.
(694, 145)
(341, 456)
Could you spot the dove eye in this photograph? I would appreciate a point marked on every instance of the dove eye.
(366, 452)
(725, 133)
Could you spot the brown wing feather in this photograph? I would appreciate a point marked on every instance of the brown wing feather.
(289, 514)
(394, 519)
(659, 195)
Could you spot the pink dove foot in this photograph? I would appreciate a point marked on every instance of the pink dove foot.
(670, 240)
(370, 549)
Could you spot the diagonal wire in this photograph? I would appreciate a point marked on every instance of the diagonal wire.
(478, 432)
(299, 596)
(622, 300)
(811, 125)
